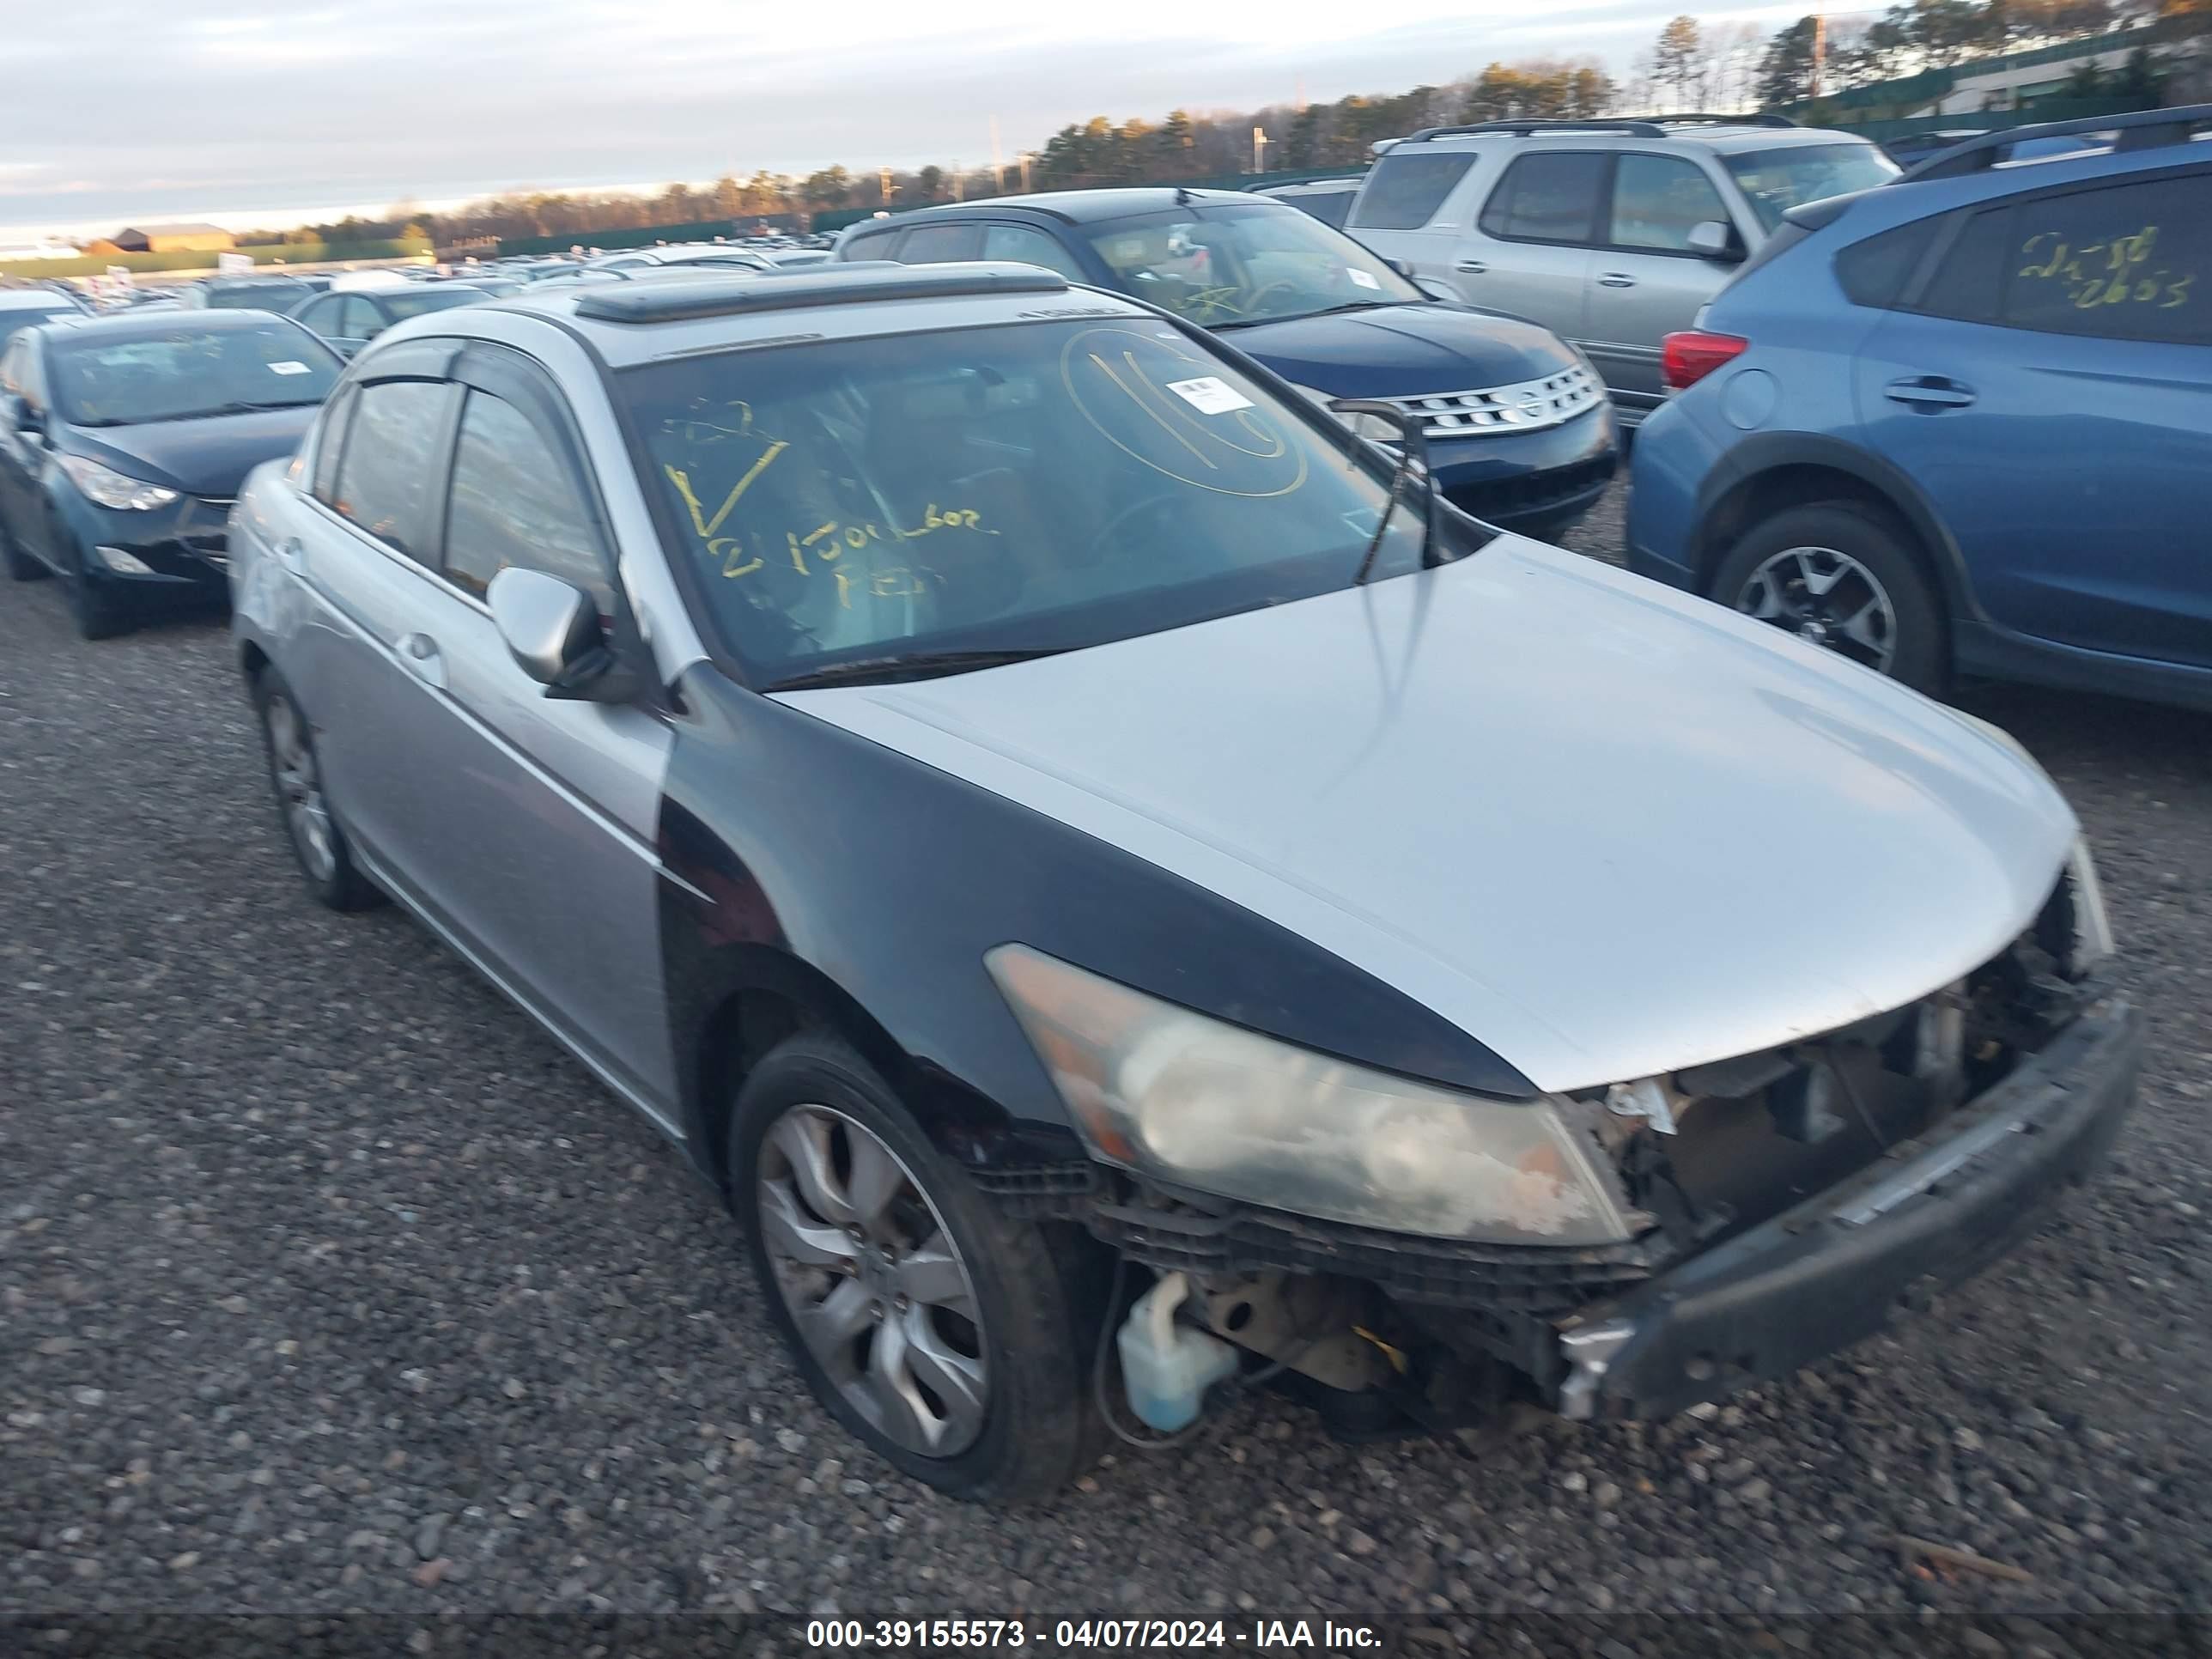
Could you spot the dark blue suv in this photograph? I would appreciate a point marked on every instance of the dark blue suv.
(1961, 424)
(1518, 429)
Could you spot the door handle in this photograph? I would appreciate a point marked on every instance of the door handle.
(1472, 267)
(1616, 279)
(419, 654)
(1929, 392)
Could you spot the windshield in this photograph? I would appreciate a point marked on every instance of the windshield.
(187, 372)
(1775, 180)
(1024, 487)
(404, 306)
(1257, 265)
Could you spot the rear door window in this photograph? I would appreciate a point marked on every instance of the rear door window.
(937, 244)
(2127, 262)
(1549, 196)
(389, 469)
(1405, 190)
(332, 445)
(1032, 246)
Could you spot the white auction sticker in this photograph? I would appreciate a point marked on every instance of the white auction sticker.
(1363, 279)
(1210, 396)
(287, 367)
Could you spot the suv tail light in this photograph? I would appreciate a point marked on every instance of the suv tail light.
(1687, 358)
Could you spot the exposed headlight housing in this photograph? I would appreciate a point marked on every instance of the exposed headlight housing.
(107, 486)
(1161, 1091)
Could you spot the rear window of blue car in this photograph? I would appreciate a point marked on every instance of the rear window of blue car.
(2122, 262)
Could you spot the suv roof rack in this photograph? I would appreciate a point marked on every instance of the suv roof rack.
(848, 283)
(2145, 129)
(1523, 129)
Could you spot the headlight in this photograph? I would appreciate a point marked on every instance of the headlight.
(2092, 928)
(1166, 1092)
(109, 487)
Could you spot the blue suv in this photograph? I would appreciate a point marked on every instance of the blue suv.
(1961, 424)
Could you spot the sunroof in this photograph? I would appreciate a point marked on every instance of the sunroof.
(848, 283)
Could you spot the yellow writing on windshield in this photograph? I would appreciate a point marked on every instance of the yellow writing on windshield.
(826, 543)
(707, 527)
(2120, 271)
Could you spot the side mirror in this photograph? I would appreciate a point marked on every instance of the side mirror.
(1710, 238)
(552, 629)
(1403, 267)
(1437, 288)
(15, 415)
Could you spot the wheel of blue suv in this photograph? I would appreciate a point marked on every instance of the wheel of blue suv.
(948, 1336)
(318, 844)
(1845, 577)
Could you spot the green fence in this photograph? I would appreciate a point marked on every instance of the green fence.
(295, 253)
(1984, 120)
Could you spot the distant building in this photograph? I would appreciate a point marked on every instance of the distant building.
(168, 238)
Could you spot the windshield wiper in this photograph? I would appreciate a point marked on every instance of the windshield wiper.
(911, 666)
(1412, 447)
(1300, 316)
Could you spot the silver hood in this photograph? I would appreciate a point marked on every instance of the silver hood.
(1607, 829)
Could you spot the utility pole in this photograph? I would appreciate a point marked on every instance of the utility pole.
(885, 179)
(998, 167)
(958, 194)
(1259, 149)
(1820, 50)
(1027, 157)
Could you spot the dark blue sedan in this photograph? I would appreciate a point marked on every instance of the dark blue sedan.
(1516, 421)
(124, 439)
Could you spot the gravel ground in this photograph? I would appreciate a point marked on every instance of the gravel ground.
(327, 1282)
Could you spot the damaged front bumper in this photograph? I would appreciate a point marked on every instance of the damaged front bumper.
(1830, 1272)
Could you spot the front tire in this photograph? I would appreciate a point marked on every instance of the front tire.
(99, 615)
(1843, 576)
(23, 566)
(941, 1331)
(318, 846)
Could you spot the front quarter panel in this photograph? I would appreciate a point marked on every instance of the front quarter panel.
(866, 886)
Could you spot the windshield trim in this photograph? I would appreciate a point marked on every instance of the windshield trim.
(718, 641)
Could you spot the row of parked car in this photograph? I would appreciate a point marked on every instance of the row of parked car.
(1100, 863)
(1957, 422)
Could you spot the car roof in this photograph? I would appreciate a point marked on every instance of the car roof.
(1722, 137)
(1074, 207)
(665, 315)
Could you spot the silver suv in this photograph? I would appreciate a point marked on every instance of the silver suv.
(1610, 233)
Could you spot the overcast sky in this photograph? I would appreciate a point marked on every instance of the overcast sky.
(271, 110)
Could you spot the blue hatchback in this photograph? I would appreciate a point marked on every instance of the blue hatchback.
(1961, 424)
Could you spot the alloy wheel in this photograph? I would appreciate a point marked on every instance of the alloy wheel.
(299, 787)
(873, 1280)
(1827, 599)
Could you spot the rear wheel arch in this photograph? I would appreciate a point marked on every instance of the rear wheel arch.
(1771, 473)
